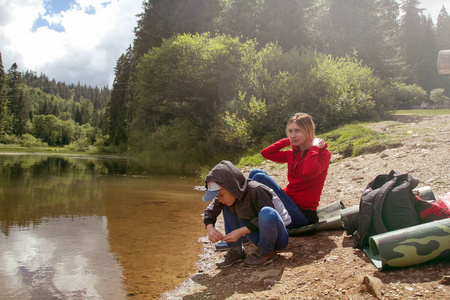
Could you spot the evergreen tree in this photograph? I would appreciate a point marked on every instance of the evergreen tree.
(116, 110)
(86, 111)
(45, 109)
(443, 43)
(367, 28)
(284, 21)
(349, 21)
(241, 18)
(55, 109)
(95, 96)
(281, 21)
(3, 96)
(443, 30)
(427, 75)
(410, 38)
(392, 63)
(162, 19)
(419, 46)
(19, 105)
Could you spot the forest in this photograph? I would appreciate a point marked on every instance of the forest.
(206, 80)
(38, 112)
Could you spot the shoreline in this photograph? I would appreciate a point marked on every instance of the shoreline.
(56, 153)
(324, 265)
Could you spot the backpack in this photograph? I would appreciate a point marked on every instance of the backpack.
(386, 204)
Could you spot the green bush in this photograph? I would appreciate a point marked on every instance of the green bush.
(407, 96)
(58, 132)
(437, 96)
(10, 139)
(236, 131)
(26, 140)
(81, 144)
(341, 89)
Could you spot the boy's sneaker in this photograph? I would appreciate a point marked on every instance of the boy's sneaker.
(234, 255)
(260, 259)
(222, 246)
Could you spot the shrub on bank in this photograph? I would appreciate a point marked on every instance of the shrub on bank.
(202, 98)
(26, 140)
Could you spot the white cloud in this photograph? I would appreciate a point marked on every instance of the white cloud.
(67, 255)
(86, 51)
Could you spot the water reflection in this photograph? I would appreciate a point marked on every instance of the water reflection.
(72, 228)
(33, 187)
(60, 259)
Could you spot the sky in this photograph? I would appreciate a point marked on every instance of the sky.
(80, 40)
(67, 40)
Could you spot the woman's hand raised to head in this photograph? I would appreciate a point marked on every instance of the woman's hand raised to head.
(319, 143)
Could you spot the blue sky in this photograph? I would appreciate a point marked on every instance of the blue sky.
(69, 40)
(80, 40)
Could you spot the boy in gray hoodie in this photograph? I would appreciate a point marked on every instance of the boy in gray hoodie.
(249, 208)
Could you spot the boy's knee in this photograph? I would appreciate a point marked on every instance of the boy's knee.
(267, 214)
(254, 172)
(257, 177)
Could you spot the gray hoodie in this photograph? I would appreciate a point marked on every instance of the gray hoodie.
(251, 196)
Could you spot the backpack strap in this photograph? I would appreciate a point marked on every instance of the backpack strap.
(370, 210)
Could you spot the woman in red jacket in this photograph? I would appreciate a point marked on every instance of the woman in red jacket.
(307, 161)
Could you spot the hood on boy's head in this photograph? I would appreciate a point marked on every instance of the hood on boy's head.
(229, 177)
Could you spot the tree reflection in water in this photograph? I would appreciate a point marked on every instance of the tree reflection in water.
(61, 216)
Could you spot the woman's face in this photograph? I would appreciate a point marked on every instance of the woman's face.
(225, 197)
(296, 135)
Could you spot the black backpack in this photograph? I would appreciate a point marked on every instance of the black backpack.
(387, 204)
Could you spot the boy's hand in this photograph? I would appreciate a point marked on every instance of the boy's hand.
(214, 235)
(235, 235)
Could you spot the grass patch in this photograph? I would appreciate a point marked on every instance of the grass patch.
(250, 160)
(355, 139)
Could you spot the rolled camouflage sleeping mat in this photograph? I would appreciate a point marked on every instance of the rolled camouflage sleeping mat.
(410, 246)
(329, 218)
(330, 210)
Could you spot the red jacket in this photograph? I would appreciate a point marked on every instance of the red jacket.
(306, 175)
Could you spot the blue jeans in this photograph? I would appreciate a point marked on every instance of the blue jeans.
(298, 218)
(272, 234)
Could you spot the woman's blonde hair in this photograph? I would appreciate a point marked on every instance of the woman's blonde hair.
(305, 122)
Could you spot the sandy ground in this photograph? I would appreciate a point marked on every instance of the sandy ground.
(324, 265)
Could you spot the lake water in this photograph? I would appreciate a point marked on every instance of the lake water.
(94, 228)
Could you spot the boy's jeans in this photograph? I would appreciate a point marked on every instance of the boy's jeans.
(298, 218)
(272, 234)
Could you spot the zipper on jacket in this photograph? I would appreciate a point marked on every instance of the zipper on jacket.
(294, 168)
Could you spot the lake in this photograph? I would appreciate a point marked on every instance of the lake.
(92, 227)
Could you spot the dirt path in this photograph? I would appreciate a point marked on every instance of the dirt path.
(324, 265)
